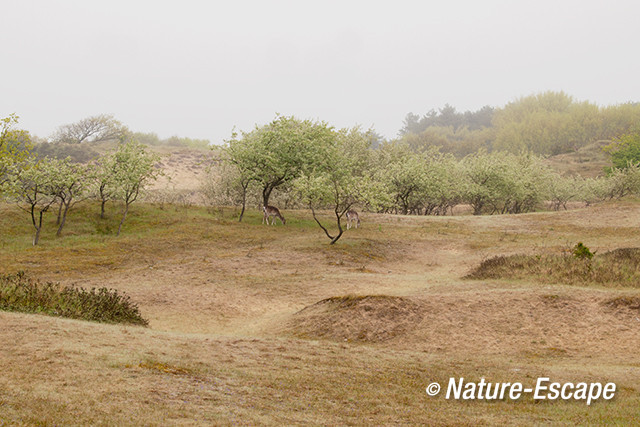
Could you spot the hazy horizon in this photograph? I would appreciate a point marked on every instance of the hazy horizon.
(198, 70)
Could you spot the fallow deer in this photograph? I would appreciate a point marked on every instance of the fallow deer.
(272, 211)
(352, 216)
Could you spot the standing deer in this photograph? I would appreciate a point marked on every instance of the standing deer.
(352, 216)
(272, 211)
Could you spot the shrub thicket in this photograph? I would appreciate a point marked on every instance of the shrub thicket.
(19, 292)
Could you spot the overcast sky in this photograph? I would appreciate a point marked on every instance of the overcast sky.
(199, 68)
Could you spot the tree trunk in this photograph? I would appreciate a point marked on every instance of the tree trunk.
(36, 238)
(244, 201)
(340, 230)
(313, 212)
(62, 220)
(102, 208)
(124, 215)
(335, 239)
(266, 193)
(59, 211)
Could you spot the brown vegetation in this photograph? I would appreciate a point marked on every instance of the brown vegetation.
(369, 318)
(618, 268)
(245, 326)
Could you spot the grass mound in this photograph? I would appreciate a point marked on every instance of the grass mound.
(19, 292)
(619, 267)
(625, 302)
(370, 318)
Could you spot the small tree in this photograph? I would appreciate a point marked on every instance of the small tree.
(564, 189)
(15, 146)
(504, 183)
(92, 129)
(102, 176)
(70, 187)
(442, 183)
(622, 182)
(341, 178)
(225, 184)
(279, 152)
(483, 181)
(34, 189)
(403, 173)
(133, 168)
(625, 150)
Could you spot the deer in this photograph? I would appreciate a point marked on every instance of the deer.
(272, 211)
(352, 216)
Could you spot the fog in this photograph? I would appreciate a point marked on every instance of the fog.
(199, 68)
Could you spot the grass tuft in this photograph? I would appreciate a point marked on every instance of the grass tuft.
(19, 292)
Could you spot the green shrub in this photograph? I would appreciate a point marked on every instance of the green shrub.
(19, 292)
(580, 251)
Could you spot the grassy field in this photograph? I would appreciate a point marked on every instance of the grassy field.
(255, 324)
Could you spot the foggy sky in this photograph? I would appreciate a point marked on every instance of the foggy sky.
(199, 68)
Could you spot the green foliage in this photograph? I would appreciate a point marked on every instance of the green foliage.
(15, 147)
(580, 251)
(275, 154)
(622, 182)
(71, 185)
(562, 190)
(446, 117)
(505, 183)
(625, 150)
(79, 153)
(401, 171)
(35, 186)
(124, 173)
(91, 129)
(173, 141)
(340, 177)
(19, 292)
(427, 181)
(132, 168)
(14, 142)
(416, 183)
(547, 123)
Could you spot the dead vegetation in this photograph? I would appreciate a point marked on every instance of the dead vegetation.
(630, 303)
(352, 318)
(617, 268)
(247, 323)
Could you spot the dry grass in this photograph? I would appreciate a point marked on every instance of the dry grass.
(224, 298)
(589, 161)
(351, 318)
(617, 268)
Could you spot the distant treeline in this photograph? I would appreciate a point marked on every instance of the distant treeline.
(85, 139)
(548, 123)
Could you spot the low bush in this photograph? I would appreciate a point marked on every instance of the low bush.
(619, 267)
(19, 292)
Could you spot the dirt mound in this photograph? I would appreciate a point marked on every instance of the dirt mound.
(623, 255)
(616, 268)
(625, 302)
(370, 318)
